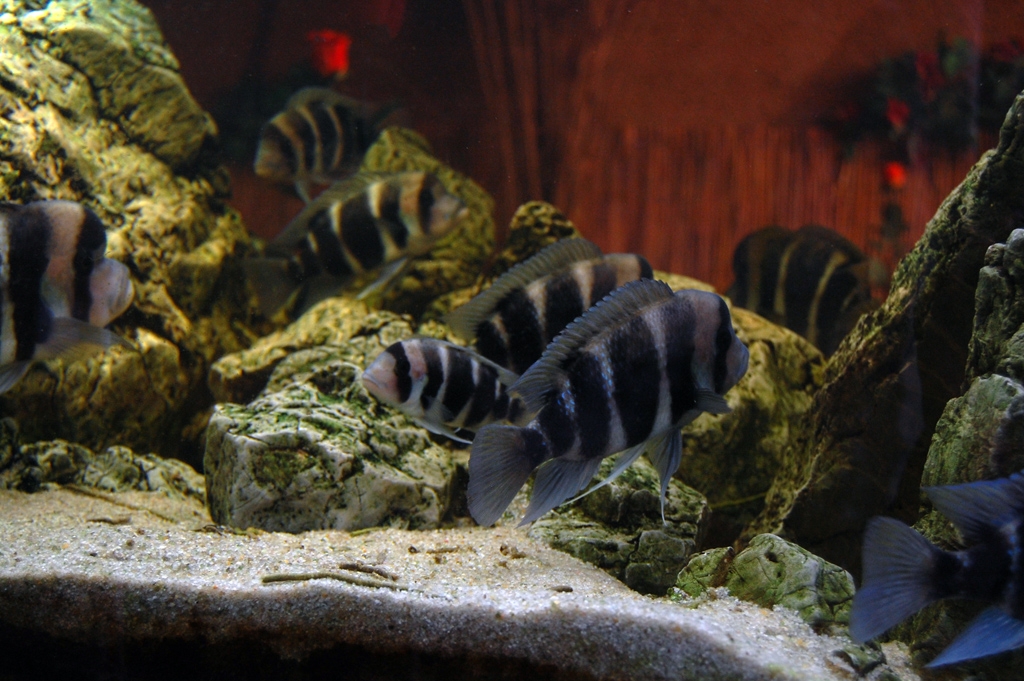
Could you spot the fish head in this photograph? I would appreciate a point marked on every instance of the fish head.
(395, 375)
(112, 292)
(445, 210)
(275, 156)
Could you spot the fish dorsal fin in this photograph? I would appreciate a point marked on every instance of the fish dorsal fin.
(342, 190)
(613, 310)
(557, 256)
(975, 506)
(309, 95)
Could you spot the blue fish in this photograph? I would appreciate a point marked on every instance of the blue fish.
(903, 571)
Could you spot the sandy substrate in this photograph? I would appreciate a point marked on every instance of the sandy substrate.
(138, 567)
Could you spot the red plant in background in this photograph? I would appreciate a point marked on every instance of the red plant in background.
(895, 174)
(897, 112)
(330, 51)
(1006, 51)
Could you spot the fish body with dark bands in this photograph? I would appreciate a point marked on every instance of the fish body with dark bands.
(321, 137)
(367, 222)
(57, 290)
(524, 309)
(624, 377)
(812, 281)
(441, 386)
(904, 572)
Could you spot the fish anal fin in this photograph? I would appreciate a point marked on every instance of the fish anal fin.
(993, 631)
(665, 453)
(10, 374)
(500, 462)
(624, 461)
(556, 481)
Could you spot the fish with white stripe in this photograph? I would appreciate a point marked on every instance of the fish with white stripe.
(367, 222)
(57, 290)
(442, 386)
(625, 377)
(525, 308)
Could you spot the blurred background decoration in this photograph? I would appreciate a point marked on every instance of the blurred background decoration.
(668, 128)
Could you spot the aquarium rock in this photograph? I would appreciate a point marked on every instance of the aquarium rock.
(96, 111)
(49, 465)
(863, 446)
(772, 571)
(618, 527)
(101, 589)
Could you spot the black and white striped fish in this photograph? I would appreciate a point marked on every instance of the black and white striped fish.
(57, 290)
(812, 281)
(442, 386)
(625, 377)
(364, 223)
(904, 572)
(321, 137)
(515, 319)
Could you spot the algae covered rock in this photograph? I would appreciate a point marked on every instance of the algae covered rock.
(772, 571)
(619, 529)
(44, 465)
(96, 112)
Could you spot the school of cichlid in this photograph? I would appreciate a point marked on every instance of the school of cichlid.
(904, 572)
(57, 290)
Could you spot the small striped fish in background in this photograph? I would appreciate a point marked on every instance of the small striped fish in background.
(525, 308)
(441, 386)
(320, 137)
(625, 377)
(812, 281)
(360, 224)
(57, 290)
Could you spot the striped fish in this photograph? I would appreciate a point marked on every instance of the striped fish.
(625, 377)
(320, 137)
(515, 319)
(57, 290)
(441, 386)
(364, 223)
(812, 281)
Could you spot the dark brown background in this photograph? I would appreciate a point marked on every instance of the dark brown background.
(670, 127)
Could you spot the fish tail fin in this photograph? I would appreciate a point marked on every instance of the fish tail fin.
(501, 460)
(272, 282)
(898, 577)
(993, 631)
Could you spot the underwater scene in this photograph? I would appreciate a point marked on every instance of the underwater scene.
(511, 339)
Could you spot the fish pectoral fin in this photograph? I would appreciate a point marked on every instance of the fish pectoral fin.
(624, 461)
(440, 429)
(991, 632)
(11, 374)
(74, 340)
(665, 453)
(556, 481)
(712, 402)
(387, 277)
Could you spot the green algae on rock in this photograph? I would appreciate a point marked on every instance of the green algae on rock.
(46, 465)
(85, 123)
(321, 454)
(618, 528)
(772, 571)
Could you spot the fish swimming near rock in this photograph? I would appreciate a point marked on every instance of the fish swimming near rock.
(904, 572)
(812, 281)
(366, 222)
(525, 308)
(443, 387)
(624, 377)
(57, 290)
(320, 137)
